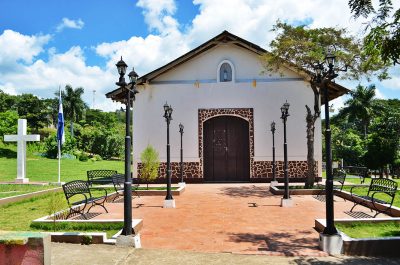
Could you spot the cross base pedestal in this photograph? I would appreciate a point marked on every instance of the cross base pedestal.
(21, 180)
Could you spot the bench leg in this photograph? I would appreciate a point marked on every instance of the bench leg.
(355, 204)
(137, 194)
(115, 197)
(80, 211)
(94, 203)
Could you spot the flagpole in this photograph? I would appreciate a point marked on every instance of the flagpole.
(59, 162)
(60, 133)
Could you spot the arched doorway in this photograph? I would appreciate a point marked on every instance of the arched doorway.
(226, 149)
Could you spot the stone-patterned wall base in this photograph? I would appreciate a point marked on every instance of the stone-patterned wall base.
(297, 169)
(262, 171)
(191, 170)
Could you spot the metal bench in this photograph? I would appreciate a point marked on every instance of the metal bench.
(361, 172)
(339, 177)
(100, 176)
(386, 187)
(80, 187)
(118, 182)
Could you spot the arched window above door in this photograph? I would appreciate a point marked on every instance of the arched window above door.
(226, 72)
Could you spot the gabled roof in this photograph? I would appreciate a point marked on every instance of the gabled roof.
(335, 90)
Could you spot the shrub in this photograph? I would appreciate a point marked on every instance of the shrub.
(150, 163)
(84, 157)
(51, 145)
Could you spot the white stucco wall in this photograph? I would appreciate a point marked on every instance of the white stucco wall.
(178, 88)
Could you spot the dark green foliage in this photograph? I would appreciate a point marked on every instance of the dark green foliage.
(7, 102)
(361, 114)
(34, 110)
(383, 31)
(383, 143)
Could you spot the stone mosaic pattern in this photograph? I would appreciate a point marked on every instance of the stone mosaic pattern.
(245, 113)
(191, 170)
(297, 169)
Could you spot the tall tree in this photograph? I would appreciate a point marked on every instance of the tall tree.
(360, 106)
(73, 105)
(34, 110)
(383, 30)
(301, 48)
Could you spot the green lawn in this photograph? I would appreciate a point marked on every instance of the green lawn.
(19, 215)
(44, 169)
(368, 230)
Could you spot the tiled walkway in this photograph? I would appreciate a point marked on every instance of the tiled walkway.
(237, 218)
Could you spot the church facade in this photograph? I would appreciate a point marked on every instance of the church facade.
(226, 104)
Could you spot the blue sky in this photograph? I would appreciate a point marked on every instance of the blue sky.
(45, 44)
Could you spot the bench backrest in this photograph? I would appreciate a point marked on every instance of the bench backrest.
(387, 186)
(100, 174)
(118, 181)
(76, 187)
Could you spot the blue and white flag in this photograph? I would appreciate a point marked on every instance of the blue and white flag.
(60, 125)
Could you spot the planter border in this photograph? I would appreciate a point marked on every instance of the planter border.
(274, 190)
(377, 246)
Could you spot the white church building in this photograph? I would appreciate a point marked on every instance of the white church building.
(226, 104)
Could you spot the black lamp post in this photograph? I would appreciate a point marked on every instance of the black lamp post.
(168, 118)
(273, 151)
(181, 164)
(285, 114)
(121, 66)
(324, 74)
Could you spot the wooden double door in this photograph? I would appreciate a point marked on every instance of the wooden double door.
(226, 149)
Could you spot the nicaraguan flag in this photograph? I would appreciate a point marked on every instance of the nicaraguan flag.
(60, 125)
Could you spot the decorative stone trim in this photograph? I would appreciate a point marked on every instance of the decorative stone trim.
(297, 169)
(191, 170)
(245, 113)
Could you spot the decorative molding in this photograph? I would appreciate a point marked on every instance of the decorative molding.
(245, 113)
(242, 80)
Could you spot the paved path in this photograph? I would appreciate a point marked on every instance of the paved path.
(73, 254)
(233, 218)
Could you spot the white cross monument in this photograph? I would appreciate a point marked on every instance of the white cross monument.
(21, 138)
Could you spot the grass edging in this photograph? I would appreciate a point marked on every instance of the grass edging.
(21, 197)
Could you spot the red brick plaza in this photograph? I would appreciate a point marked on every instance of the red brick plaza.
(236, 218)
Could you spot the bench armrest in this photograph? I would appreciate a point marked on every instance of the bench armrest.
(382, 192)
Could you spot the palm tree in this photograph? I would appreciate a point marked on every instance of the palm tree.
(73, 105)
(360, 107)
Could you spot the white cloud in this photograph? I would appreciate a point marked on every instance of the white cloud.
(15, 47)
(158, 14)
(145, 54)
(69, 23)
